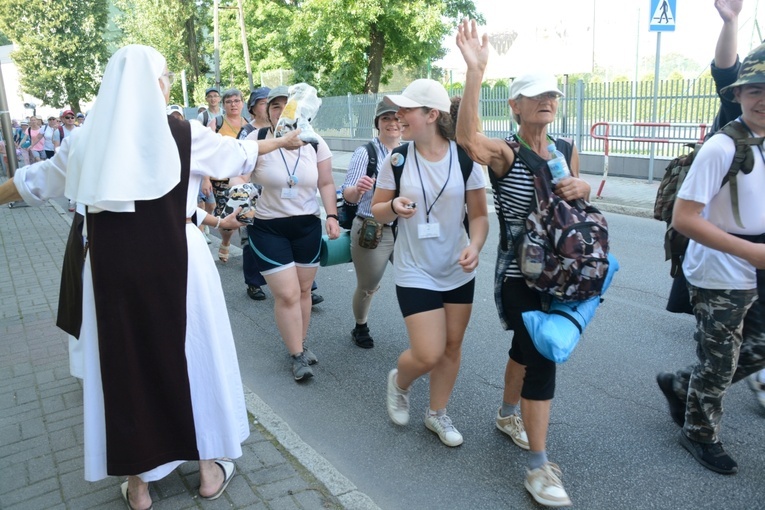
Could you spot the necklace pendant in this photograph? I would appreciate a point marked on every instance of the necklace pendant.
(292, 181)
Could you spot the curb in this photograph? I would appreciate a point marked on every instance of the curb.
(337, 484)
(630, 210)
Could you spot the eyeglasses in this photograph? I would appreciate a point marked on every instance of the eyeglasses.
(545, 95)
(170, 77)
(212, 96)
(68, 117)
(232, 101)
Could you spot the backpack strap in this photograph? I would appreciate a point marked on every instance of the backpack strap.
(246, 130)
(402, 150)
(372, 159)
(743, 160)
(218, 123)
(515, 146)
(466, 164)
(205, 119)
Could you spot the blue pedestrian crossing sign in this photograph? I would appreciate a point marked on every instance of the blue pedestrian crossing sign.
(662, 16)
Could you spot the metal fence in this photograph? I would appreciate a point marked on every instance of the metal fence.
(678, 101)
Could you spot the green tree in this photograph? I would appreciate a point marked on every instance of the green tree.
(175, 29)
(351, 45)
(61, 50)
(4, 39)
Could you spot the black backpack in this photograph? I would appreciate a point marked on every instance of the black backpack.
(564, 244)
(345, 211)
(466, 166)
(675, 243)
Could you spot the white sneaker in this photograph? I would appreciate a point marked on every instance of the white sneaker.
(442, 425)
(758, 385)
(513, 426)
(545, 486)
(397, 401)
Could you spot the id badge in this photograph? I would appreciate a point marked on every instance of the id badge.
(289, 193)
(428, 230)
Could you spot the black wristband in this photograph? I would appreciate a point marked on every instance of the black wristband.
(391, 207)
(333, 216)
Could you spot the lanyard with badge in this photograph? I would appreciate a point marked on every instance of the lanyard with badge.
(430, 230)
(290, 192)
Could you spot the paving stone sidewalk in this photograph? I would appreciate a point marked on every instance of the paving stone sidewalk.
(41, 429)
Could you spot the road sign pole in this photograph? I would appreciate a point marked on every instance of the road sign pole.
(655, 109)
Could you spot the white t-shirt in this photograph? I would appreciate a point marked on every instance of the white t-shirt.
(210, 116)
(50, 135)
(273, 171)
(431, 263)
(703, 266)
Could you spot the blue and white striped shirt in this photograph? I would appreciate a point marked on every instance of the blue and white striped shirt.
(357, 168)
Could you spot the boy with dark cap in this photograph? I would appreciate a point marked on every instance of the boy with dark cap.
(209, 116)
(721, 266)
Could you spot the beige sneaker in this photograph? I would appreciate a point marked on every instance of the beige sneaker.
(545, 486)
(513, 426)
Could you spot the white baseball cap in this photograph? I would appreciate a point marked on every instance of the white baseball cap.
(175, 108)
(533, 84)
(422, 92)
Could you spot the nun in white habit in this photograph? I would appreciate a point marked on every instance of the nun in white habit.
(161, 382)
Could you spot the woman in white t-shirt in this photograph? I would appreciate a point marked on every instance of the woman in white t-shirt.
(434, 260)
(287, 230)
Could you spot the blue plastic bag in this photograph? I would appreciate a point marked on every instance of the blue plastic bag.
(556, 333)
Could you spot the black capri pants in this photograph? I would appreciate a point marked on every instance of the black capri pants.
(539, 381)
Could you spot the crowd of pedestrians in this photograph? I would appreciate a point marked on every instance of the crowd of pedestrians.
(157, 358)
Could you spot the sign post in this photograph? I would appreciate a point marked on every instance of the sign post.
(662, 14)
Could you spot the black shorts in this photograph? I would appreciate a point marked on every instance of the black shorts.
(412, 300)
(539, 381)
(284, 242)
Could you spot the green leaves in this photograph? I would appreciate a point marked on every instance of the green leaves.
(61, 50)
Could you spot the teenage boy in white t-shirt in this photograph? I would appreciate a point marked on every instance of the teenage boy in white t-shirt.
(721, 269)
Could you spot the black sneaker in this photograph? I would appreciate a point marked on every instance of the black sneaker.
(665, 381)
(361, 337)
(710, 455)
(300, 368)
(256, 293)
(316, 299)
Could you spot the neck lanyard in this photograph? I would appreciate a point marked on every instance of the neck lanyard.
(422, 185)
(523, 142)
(291, 177)
(752, 133)
(232, 127)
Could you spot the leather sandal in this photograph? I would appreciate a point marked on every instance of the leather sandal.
(223, 253)
(124, 490)
(229, 469)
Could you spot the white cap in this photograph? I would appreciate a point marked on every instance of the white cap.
(422, 92)
(533, 84)
(175, 108)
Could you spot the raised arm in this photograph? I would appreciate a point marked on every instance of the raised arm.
(483, 150)
(726, 49)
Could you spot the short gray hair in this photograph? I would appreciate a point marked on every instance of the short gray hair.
(231, 93)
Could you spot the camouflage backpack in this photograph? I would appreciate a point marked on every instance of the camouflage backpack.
(676, 243)
(564, 250)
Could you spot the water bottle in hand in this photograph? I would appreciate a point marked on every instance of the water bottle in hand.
(557, 163)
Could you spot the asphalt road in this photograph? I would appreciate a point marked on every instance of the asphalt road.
(610, 431)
